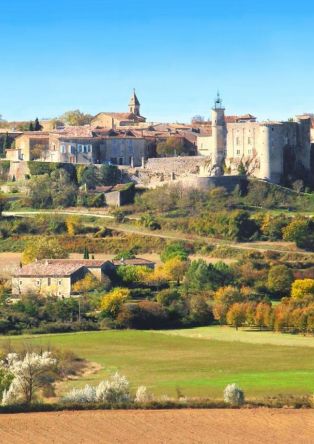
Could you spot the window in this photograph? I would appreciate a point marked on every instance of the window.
(249, 141)
(59, 282)
(49, 282)
(38, 282)
(237, 141)
(21, 282)
(238, 152)
(121, 161)
(249, 151)
(62, 149)
(72, 149)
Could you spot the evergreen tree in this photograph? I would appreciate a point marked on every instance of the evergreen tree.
(6, 142)
(37, 125)
(86, 253)
(31, 127)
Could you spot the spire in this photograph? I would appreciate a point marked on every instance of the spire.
(134, 100)
(134, 104)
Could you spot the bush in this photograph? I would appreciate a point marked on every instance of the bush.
(233, 395)
(114, 390)
(142, 395)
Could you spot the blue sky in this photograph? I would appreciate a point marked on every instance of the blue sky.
(60, 55)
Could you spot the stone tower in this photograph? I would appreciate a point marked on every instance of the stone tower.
(219, 132)
(134, 104)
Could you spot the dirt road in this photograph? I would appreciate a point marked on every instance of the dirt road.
(160, 427)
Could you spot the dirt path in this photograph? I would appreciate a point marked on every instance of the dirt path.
(278, 247)
(160, 427)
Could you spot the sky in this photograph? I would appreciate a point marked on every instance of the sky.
(60, 55)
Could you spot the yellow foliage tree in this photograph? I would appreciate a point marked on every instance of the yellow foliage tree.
(72, 223)
(174, 269)
(302, 287)
(43, 249)
(111, 302)
(88, 283)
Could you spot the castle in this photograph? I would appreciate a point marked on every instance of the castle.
(267, 150)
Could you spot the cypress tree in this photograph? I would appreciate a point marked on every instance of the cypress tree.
(37, 126)
(86, 253)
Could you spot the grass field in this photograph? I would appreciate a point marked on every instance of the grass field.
(244, 335)
(195, 366)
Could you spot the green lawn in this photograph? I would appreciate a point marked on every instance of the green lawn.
(196, 366)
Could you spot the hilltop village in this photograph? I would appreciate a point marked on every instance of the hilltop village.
(220, 146)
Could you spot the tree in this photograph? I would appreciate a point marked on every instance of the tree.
(43, 248)
(2, 203)
(175, 269)
(31, 127)
(109, 174)
(28, 375)
(174, 250)
(236, 315)
(280, 278)
(234, 395)
(173, 146)
(130, 274)
(6, 142)
(37, 125)
(302, 288)
(262, 316)
(149, 221)
(76, 118)
(300, 231)
(89, 177)
(113, 301)
(86, 253)
(87, 284)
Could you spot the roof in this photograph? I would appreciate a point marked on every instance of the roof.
(57, 267)
(134, 261)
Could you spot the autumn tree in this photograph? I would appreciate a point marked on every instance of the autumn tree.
(112, 302)
(88, 283)
(262, 316)
(236, 315)
(175, 269)
(302, 288)
(43, 248)
(300, 231)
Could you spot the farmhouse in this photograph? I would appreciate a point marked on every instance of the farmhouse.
(55, 277)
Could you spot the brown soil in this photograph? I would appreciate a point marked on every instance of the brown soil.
(160, 427)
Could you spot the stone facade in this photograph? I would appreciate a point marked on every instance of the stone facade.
(262, 148)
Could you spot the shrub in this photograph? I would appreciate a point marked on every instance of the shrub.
(86, 394)
(142, 395)
(114, 390)
(233, 395)
(112, 301)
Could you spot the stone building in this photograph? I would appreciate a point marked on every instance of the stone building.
(55, 277)
(267, 150)
(116, 120)
(26, 144)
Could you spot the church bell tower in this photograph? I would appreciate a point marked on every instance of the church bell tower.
(134, 104)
